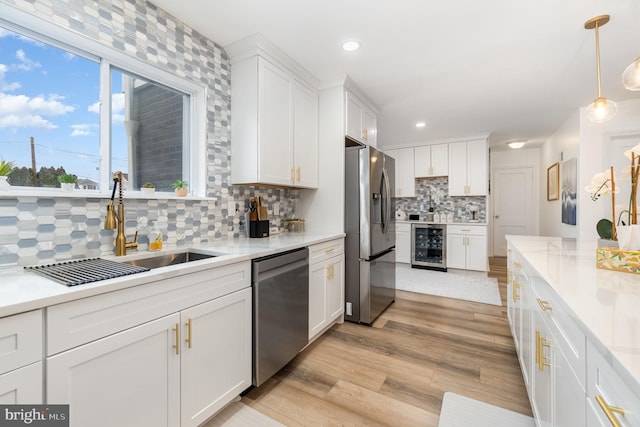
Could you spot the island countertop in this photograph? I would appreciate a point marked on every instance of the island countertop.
(604, 304)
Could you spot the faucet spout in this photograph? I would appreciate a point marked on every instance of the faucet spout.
(112, 217)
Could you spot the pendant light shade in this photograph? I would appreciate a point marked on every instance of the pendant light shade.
(631, 76)
(602, 109)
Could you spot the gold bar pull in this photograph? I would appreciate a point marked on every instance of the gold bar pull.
(365, 134)
(537, 347)
(610, 411)
(517, 264)
(177, 344)
(543, 361)
(544, 305)
(328, 271)
(516, 288)
(293, 175)
(189, 325)
(329, 250)
(298, 174)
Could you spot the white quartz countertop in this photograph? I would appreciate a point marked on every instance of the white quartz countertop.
(436, 222)
(22, 290)
(604, 303)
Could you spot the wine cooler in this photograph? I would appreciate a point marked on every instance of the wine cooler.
(428, 246)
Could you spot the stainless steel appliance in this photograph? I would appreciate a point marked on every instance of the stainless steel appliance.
(280, 311)
(370, 270)
(429, 246)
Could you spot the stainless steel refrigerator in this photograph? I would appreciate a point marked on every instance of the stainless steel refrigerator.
(370, 271)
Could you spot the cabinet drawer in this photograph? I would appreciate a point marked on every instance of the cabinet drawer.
(604, 382)
(568, 336)
(476, 230)
(323, 251)
(403, 228)
(81, 321)
(20, 340)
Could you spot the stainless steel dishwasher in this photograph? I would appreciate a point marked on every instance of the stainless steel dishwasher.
(280, 311)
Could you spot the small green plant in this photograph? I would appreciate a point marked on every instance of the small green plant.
(67, 179)
(148, 185)
(178, 183)
(6, 168)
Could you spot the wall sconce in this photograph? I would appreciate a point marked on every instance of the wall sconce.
(631, 76)
(602, 109)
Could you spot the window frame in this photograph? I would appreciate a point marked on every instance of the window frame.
(194, 168)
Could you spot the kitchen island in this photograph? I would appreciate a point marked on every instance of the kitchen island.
(577, 332)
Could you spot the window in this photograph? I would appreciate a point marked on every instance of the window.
(52, 116)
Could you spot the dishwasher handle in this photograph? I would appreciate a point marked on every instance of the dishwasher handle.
(277, 264)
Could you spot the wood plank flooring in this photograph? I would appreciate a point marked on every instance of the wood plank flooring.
(396, 372)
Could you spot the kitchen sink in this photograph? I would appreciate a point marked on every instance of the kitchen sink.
(169, 259)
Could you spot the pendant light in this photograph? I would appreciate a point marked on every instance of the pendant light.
(631, 76)
(602, 109)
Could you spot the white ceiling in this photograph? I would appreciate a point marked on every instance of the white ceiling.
(510, 69)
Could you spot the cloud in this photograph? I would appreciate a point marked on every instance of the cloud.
(26, 64)
(4, 85)
(83, 129)
(23, 111)
(117, 108)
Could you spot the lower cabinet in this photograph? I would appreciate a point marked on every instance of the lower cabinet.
(403, 243)
(467, 247)
(22, 386)
(177, 370)
(326, 286)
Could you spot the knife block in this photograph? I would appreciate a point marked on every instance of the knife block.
(259, 228)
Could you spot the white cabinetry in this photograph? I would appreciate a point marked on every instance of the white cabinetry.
(326, 285)
(405, 179)
(169, 354)
(431, 160)
(403, 242)
(360, 120)
(274, 127)
(467, 247)
(21, 358)
(468, 168)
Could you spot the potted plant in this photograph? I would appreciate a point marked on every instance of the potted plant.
(180, 187)
(67, 181)
(5, 169)
(148, 189)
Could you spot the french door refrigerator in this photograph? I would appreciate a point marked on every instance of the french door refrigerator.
(370, 270)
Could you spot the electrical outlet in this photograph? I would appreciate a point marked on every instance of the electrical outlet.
(349, 309)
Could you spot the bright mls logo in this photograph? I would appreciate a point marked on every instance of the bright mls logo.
(34, 415)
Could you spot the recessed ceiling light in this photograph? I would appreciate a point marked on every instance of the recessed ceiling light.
(420, 125)
(350, 46)
(516, 144)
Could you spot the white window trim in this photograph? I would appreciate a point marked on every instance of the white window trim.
(196, 170)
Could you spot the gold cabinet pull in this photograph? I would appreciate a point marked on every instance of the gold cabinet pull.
(610, 411)
(544, 305)
(177, 332)
(293, 175)
(516, 288)
(189, 327)
(541, 359)
(330, 271)
(517, 264)
(365, 134)
(298, 173)
(329, 250)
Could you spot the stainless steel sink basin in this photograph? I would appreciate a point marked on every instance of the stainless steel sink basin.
(169, 259)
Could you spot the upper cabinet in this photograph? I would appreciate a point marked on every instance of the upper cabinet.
(360, 120)
(405, 179)
(431, 160)
(274, 125)
(468, 168)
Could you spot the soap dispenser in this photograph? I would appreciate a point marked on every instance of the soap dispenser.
(155, 238)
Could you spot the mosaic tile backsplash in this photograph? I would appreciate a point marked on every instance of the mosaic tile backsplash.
(434, 192)
(52, 228)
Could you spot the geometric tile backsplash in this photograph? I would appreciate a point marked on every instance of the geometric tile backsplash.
(38, 229)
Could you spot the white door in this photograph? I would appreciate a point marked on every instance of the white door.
(456, 251)
(457, 168)
(439, 160)
(477, 177)
(512, 205)
(335, 288)
(305, 136)
(215, 355)
(422, 161)
(353, 121)
(476, 253)
(22, 386)
(369, 123)
(317, 297)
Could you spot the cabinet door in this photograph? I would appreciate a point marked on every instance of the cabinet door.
(542, 396)
(369, 123)
(305, 136)
(274, 121)
(403, 246)
(439, 160)
(476, 253)
(22, 386)
(456, 251)
(353, 121)
(135, 372)
(457, 168)
(215, 355)
(477, 168)
(405, 178)
(317, 297)
(422, 161)
(335, 288)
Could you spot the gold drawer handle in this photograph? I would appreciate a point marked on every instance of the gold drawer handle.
(610, 411)
(177, 344)
(541, 359)
(298, 173)
(544, 305)
(516, 287)
(329, 250)
(517, 264)
(189, 325)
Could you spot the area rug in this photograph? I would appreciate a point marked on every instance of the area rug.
(237, 414)
(460, 284)
(461, 411)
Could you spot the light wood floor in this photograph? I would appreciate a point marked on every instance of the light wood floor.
(396, 372)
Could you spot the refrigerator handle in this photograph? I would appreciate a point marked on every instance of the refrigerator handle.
(386, 201)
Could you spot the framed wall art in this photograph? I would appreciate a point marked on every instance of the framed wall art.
(553, 180)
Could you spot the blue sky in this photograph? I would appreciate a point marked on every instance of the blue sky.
(53, 96)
